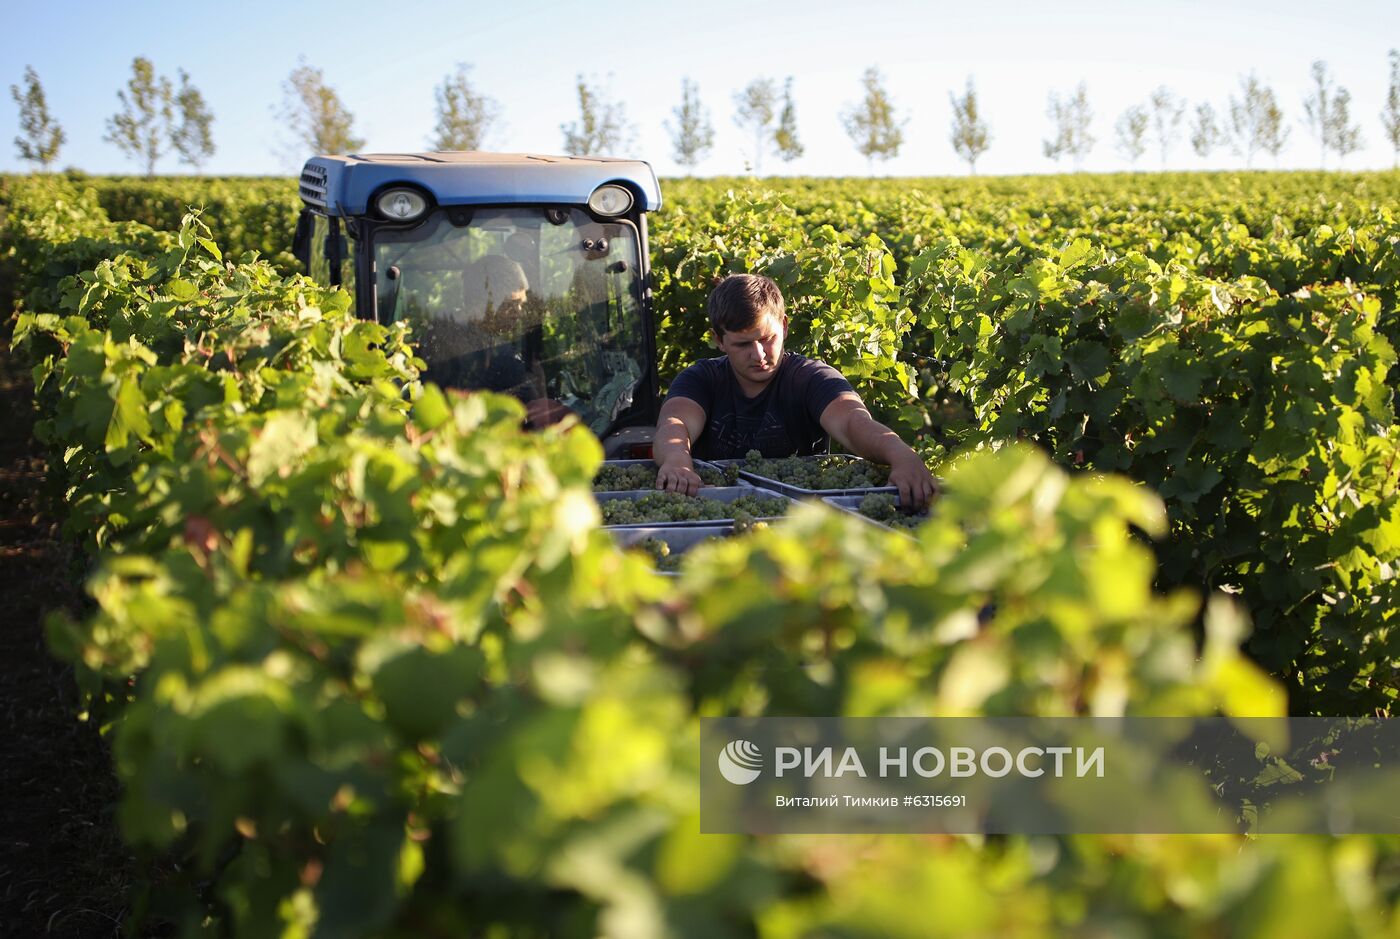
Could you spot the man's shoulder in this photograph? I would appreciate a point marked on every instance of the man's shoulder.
(706, 369)
(717, 362)
(700, 381)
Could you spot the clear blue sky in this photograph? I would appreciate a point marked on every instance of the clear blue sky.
(386, 58)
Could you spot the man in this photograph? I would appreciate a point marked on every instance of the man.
(757, 397)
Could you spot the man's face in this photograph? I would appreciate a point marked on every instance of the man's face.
(503, 317)
(754, 353)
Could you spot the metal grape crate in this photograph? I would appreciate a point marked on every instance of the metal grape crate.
(719, 493)
(851, 504)
(797, 492)
(680, 540)
(622, 464)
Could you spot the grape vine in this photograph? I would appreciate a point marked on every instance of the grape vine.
(356, 642)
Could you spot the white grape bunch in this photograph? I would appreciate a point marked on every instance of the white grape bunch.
(675, 507)
(883, 508)
(819, 472)
(643, 476)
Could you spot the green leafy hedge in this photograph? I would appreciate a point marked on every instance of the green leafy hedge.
(1264, 419)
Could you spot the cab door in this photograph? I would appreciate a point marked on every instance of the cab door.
(325, 252)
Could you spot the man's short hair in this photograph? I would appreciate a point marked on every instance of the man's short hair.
(741, 301)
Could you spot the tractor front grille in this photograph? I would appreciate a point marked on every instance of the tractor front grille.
(313, 185)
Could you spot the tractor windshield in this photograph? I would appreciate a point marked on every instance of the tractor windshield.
(534, 302)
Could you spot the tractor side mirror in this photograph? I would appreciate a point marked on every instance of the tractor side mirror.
(301, 240)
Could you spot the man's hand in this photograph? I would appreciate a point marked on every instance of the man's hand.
(678, 475)
(680, 422)
(915, 482)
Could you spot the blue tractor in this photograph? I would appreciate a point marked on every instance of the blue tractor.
(519, 273)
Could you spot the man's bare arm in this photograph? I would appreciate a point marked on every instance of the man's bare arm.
(681, 421)
(850, 424)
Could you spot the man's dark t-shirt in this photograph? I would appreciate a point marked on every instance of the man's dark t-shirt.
(784, 420)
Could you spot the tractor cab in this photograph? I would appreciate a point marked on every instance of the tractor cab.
(518, 273)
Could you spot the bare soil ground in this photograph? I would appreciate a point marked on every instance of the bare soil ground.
(63, 868)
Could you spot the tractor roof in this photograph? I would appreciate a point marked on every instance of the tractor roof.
(343, 185)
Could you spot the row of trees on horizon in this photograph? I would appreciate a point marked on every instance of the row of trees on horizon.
(157, 118)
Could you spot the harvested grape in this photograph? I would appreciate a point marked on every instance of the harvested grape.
(643, 476)
(830, 471)
(656, 547)
(883, 508)
(744, 521)
(660, 551)
(675, 507)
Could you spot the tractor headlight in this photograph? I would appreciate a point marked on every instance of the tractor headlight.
(401, 205)
(610, 200)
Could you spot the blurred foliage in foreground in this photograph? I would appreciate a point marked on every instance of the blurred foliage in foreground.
(371, 668)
